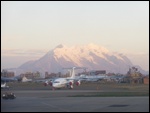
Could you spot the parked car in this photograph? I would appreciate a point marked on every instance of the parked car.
(8, 96)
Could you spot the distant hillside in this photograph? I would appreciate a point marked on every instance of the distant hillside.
(91, 56)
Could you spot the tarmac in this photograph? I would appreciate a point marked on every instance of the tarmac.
(62, 101)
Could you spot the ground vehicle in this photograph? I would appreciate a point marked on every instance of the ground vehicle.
(8, 96)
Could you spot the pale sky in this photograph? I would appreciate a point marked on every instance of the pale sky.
(42, 25)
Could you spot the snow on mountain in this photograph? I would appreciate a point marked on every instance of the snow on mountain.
(92, 56)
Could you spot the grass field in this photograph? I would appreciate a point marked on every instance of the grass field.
(103, 89)
(112, 94)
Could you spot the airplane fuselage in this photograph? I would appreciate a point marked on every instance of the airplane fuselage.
(59, 83)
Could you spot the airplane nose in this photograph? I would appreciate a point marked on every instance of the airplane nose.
(53, 84)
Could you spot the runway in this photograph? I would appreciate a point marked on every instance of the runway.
(60, 101)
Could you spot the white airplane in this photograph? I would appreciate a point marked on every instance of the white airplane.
(93, 77)
(24, 79)
(65, 82)
(9, 79)
(3, 86)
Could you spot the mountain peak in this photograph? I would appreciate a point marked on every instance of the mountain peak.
(94, 46)
(60, 46)
(92, 56)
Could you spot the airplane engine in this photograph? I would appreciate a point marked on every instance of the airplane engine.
(50, 83)
(45, 84)
(78, 83)
(70, 83)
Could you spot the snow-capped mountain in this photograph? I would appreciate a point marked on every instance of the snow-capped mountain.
(92, 56)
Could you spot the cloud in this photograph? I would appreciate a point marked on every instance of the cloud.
(21, 52)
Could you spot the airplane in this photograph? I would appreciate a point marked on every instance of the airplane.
(93, 77)
(4, 86)
(24, 79)
(70, 81)
(65, 82)
(10, 79)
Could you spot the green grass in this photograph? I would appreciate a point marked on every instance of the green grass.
(113, 94)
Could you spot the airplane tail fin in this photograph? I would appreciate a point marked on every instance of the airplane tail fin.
(73, 73)
(4, 84)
